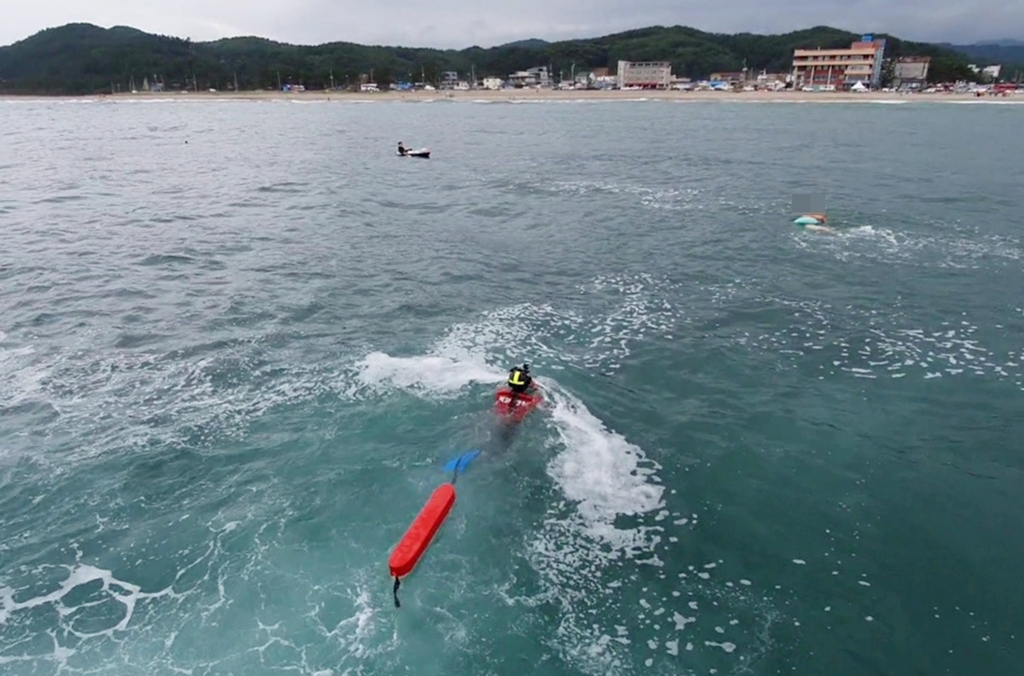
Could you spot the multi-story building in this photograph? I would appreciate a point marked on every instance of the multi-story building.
(992, 71)
(840, 68)
(531, 77)
(449, 79)
(645, 74)
(910, 71)
(739, 77)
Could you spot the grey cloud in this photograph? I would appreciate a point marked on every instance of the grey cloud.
(458, 24)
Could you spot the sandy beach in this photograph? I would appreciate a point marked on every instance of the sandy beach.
(530, 95)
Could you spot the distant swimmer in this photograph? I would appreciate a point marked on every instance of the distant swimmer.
(816, 222)
(811, 219)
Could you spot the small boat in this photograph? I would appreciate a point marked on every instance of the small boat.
(422, 152)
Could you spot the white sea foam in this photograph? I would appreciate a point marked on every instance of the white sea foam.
(945, 245)
(108, 624)
(880, 344)
(21, 376)
(671, 199)
(132, 398)
(429, 374)
(989, 102)
(598, 469)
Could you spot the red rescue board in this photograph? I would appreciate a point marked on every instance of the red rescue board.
(517, 408)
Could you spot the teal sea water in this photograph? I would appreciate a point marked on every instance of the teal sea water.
(239, 340)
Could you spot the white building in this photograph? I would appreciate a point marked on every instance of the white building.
(533, 77)
(911, 69)
(493, 83)
(989, 71)
(584, 80)
(645, 74)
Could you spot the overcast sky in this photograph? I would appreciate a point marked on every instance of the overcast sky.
(461, 23)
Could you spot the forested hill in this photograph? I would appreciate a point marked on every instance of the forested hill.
(982, 53)
(85, 59)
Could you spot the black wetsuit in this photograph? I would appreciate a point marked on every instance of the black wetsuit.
(524, 385)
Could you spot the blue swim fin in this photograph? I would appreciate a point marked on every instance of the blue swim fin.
(460, 463)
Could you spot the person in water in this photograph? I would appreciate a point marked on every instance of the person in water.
(520, 381)
(402, 149)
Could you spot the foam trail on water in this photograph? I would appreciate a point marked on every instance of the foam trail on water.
(599, 470)
(426, 374)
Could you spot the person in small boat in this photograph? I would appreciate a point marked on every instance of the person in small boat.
(402, 150)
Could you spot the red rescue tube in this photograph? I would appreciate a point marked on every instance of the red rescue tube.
(415, 541)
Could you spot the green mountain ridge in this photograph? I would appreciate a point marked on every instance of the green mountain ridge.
(1005, 42)
(530, 43)
(86, 59)
(986, 53)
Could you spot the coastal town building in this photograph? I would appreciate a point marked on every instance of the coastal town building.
(520, 78)
(910, 71)
(739, 77)
(645, 74)
(911, 67)
(449, 79)
(532, 77)
(988, 71)
(493, 83)
(840, 68)
(773, 81)
(540, 75)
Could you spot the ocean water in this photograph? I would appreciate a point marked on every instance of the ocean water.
(239, 340)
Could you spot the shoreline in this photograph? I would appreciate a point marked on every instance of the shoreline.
(534, 95)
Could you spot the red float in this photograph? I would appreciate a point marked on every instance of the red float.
(415, 541)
